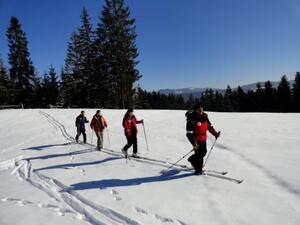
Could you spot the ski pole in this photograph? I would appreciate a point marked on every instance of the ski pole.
(108, 137)
(145, 137)
(212, 147)
(174, 164)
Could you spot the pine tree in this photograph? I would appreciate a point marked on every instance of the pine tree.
(241, 99)
(296, 92)
(67, 89)
(86, 38)
(50, 88)
(71, 79)
(259, 98)
(4, 84)
(21, 70)
(219, 102)
(116, 33)
(270, 98)
(228, 104)
(284, 95)
(190, 102)
(38, 100)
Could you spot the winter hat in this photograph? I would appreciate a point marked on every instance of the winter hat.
(198, 106)
(130, 110)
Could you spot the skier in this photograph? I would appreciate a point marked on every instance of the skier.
(98, 124)
(130, 128)
(199, 124)
(80, 124)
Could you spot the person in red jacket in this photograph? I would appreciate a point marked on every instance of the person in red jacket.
(201, 124)
(130, 128)
(98, 124)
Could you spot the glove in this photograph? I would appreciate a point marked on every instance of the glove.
(142, 121)
(217, 135)
(196, 147)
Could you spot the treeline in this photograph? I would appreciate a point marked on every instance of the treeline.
(264, 98)
(99, 69)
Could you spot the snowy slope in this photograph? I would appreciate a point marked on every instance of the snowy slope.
(47, 179)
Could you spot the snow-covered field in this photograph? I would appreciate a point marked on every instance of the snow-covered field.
(47, 179)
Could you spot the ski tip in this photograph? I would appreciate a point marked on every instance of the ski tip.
(240, 181)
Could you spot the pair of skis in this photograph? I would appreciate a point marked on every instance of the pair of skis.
(207, 172)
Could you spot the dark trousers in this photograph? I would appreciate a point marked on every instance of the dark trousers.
(79, 132)
(131, 141)
(197, 158)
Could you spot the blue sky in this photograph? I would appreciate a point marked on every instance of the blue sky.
(182, 43)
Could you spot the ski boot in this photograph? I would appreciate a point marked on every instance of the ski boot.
(134, 155)
(124, 153)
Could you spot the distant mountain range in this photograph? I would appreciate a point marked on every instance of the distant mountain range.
(197, 92)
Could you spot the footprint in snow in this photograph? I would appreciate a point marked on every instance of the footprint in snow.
(59, 212)
(4, 199)
(140, 210)
(116, 198)
(163, 219)
(115, 194)
(80, 216)
(21, 203)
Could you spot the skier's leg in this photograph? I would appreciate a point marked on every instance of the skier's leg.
(84, 135)
(100, 139)
(198, 157)
(134, 141)
(192, 160)
(202, 152)
(129, 143)
(78, 134)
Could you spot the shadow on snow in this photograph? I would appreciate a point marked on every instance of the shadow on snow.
(60, 155)
(42, 147)
(110, 183)
(68, 165)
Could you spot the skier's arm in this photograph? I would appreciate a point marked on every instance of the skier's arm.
(85, 120)
(77, 121)
(104, 122)
(126, 126)
(139, 121)
(212, 130)
(92, 124)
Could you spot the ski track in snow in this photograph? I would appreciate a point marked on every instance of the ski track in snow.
(22, 202)
(157, 217)
(268, 173)
(115, 216)
(71, 201)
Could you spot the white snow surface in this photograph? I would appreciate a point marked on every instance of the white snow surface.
(46, 178)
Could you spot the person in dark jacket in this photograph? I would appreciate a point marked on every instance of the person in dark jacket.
(130, 129)
(80, 124)
(199, 124)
